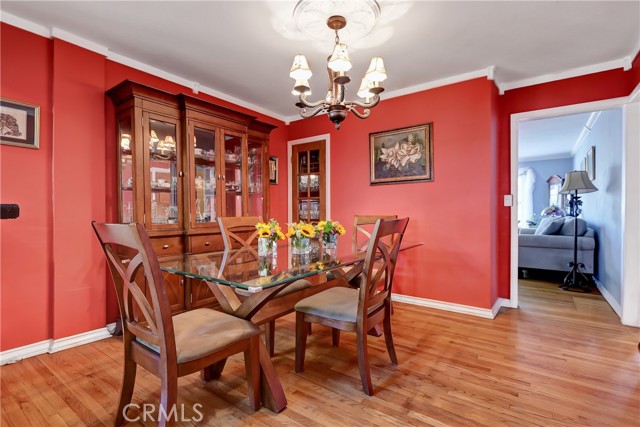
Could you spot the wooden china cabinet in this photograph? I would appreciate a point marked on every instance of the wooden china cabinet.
(182, 163)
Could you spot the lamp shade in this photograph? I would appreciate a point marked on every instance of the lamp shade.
(577, 181)
(300, 68)
(339, 60)
(376, 71)
(365, 86)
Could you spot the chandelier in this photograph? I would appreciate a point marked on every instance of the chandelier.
(335, 104)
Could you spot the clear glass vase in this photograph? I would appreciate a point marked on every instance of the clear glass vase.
(300, 246)
(266, 246)
(329, 241)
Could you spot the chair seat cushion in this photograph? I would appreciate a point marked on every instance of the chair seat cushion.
(294, 287)
(335, 303)
(204, 331)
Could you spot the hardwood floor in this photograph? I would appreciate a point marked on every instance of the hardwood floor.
(562, 359)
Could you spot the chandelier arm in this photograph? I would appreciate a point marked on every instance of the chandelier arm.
(303, 100)
(357, 113)
(373, 103)
(305, 115)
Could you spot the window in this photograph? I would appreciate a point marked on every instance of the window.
(526, 179)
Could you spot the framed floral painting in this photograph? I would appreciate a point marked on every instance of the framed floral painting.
(402, 155)
(19, 124)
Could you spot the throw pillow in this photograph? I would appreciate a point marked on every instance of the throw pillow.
(550, 225)
(567, 228)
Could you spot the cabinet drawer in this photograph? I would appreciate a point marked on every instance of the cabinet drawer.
(205, 243)
(168, 245)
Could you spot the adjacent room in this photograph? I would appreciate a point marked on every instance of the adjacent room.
(320, 213)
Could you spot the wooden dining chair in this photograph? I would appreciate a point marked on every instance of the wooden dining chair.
(357, 310)
(169, 347)
(232, 230)
(361, 233)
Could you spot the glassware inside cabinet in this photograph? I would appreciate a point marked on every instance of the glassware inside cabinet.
(256, 178)
(233, 174)
(204, 185)
(163, 172)
(126, 171)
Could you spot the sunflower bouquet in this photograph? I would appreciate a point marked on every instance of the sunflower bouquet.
(300, 233)
(268, 233)
(330, 230)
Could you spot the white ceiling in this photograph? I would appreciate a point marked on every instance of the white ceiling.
(551, 138)
(242, 50)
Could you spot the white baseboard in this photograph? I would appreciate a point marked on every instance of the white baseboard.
(52, 346)
(80, 339)
(15, 354)
(609, 298)
(488, 313)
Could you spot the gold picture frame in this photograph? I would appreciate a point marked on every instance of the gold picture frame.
(273, 170)
(401, 155)
(19, 124)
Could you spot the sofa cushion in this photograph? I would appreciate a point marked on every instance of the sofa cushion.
(550, 225)
(567, 228)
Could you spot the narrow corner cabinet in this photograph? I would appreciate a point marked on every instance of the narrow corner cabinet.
(182, 162)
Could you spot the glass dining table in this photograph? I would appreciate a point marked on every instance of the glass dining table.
(254, 288)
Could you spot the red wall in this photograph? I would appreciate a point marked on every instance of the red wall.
(53, 276)
(452, 214)
(25, 178)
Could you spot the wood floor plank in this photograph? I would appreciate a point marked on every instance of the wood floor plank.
(561, 360)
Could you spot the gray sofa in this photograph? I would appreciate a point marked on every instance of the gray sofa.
(553, 250)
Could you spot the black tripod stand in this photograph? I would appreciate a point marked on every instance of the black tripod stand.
(576, 280)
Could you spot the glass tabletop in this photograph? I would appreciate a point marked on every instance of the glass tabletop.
(243, 269)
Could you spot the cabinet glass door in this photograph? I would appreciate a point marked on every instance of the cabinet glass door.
(126, 171)
(256, 178)
(204, 185)
(233, 174)
(308, 198)
(163, 172)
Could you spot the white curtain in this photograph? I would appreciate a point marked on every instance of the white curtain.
(526, 179)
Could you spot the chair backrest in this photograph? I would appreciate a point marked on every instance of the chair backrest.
(139, 283)
(379, 265)
(230, 226)
(361, 233)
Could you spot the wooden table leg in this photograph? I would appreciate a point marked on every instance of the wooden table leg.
(273, 396)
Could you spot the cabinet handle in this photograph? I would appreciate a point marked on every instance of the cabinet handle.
(180, 174)
(207, 243)
(165, 246)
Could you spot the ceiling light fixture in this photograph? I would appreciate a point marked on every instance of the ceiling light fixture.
(338, 64)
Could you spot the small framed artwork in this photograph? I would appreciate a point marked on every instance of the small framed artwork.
(19, 124)
(273, 170)
(590, 163)
(401, 155)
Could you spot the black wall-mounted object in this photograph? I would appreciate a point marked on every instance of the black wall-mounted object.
(9, 211)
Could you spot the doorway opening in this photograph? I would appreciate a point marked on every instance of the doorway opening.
(615, 178)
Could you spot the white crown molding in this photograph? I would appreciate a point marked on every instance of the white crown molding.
(51, 346)
(32, 27)
(104, 50)
(575, 72)
(557, 156)
(79, 41)
(591, 122)
(487, 313)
